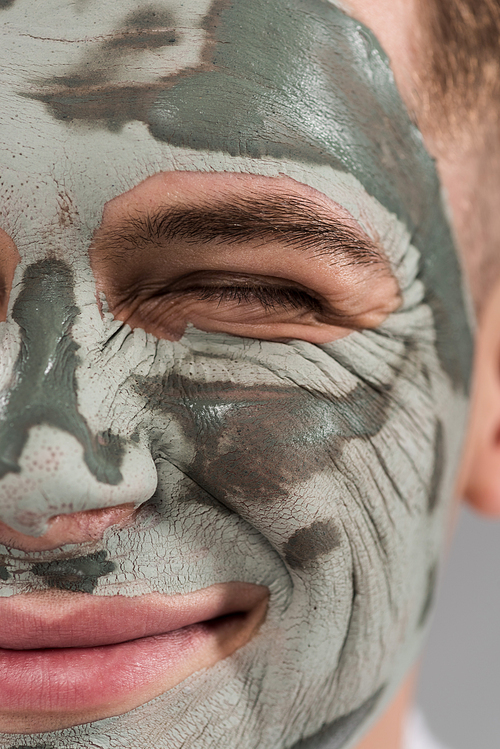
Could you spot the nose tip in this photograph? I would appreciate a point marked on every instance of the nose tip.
(53, 479)
(79, 528)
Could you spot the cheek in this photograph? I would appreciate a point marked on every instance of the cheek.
(259, 453)
(254, 445)
(310, 471)
(333, 463)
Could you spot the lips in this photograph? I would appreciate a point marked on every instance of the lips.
(73, 658)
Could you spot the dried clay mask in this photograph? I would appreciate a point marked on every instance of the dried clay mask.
(236, 304)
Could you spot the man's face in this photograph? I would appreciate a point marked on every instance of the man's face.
(235, 306)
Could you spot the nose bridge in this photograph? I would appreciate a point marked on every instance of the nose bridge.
(43, 387)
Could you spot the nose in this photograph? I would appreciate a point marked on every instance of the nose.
(51, 462)
(79, 528)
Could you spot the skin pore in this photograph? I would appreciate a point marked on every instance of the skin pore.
(299, 432)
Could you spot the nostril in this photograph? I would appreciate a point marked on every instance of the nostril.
(77, 528)
(63, 485)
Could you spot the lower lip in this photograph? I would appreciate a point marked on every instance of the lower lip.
(97, 682)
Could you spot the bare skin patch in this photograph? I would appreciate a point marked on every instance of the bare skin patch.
(337, 734)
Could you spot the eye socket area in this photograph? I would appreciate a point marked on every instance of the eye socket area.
(256, 305)
(272, 266)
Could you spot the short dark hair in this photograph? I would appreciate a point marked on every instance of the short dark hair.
(460, 63)
(456, 103)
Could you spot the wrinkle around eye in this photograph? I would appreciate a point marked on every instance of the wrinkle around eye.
(245, 312)
(266, 258)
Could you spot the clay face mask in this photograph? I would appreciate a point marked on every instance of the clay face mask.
(319, 469)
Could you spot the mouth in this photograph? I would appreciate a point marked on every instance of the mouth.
(75, 658)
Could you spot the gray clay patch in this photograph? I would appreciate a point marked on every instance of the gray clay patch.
(335, 735)
(44, 388)
(256, 442)
(87, 92)
(437, 473)
(279, 55)
(429, 595)
(80, 574)
(150, 18)
(307, 544)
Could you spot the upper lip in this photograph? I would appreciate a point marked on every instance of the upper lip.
(44, 620)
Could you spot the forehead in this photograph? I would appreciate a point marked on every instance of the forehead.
(97, 96)
(289, 79)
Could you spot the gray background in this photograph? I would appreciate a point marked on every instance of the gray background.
(459, 689)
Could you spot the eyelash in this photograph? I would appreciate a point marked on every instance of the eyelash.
(271, 298)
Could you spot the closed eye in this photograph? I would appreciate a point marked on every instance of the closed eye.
(271, 298)
(272, 264)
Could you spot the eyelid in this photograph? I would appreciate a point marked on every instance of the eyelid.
(250, 292)
(209, 284)
(270, 297)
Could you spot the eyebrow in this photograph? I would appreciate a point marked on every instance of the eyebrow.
(296, 222)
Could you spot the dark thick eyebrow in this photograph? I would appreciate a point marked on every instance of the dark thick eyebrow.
(293, 221)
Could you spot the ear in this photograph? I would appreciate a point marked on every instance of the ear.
(479, 480)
